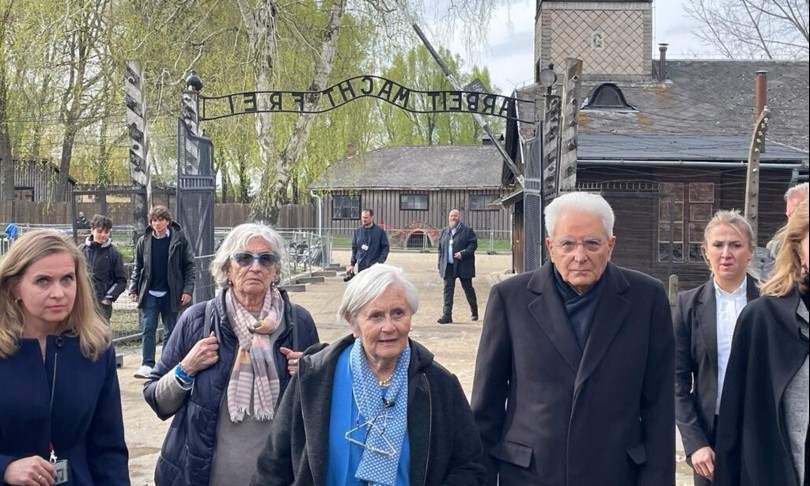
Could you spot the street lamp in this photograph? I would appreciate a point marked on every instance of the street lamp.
(194, 83)
(548, 77)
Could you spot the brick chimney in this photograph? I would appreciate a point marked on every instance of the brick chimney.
(760, 93)
(662, 62)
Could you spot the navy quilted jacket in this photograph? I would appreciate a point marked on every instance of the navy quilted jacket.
(188, 450)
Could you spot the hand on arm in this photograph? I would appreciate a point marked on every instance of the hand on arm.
(292, 359)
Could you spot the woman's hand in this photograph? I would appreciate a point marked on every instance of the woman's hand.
(30, 471)
(292, 359)
(703, 462)
(202, 356)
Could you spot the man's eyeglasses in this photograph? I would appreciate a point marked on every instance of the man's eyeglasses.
(246, 259)
(377, 424)
(568, 246)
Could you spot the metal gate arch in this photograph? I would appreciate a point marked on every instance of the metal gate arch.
(196, 187)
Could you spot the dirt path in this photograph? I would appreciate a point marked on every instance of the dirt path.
(454, 345)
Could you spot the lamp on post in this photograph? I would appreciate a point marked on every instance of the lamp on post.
(194, 83)
(548, 77)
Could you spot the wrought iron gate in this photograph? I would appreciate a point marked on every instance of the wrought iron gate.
(533, 203)
(195, 202)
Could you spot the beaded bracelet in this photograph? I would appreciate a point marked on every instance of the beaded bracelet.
(182, 375)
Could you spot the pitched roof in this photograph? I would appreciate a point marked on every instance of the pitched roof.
(434, 167)
(681, 148)
(701, 97)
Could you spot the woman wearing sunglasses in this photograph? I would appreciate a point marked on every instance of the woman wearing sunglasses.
(374, 408)
(227, 363)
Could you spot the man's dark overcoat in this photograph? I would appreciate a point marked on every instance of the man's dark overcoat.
(550, 414)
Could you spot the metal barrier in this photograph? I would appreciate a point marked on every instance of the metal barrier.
(425, 240)
(306, 253)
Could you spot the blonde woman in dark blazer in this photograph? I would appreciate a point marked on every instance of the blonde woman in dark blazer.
(704, 322)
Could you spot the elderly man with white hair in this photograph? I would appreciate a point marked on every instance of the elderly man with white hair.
(574, 380)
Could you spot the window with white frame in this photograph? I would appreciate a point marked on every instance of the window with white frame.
(684, 211)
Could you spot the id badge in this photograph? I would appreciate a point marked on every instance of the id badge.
(61, 471)
(364, 247)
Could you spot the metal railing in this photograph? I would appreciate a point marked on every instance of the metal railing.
(306, 252)
(425, 240)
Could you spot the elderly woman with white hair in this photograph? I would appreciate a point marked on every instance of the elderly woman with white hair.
(373, 408)
(227, 363)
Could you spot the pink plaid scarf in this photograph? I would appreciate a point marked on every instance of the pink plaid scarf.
(254, 370)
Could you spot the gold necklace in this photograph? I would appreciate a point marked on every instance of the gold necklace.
(386, 382)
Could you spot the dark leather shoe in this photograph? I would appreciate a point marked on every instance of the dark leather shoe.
(474, 318)
(445, 320)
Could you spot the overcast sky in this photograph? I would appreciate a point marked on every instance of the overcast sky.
(510, 53)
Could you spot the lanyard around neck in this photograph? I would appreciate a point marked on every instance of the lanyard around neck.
(50, 406)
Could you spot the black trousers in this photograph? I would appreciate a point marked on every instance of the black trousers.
(450, 288)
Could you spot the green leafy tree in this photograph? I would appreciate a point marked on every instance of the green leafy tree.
(418, 70)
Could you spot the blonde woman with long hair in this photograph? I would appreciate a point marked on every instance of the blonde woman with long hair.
(762, 430)
(61, 420)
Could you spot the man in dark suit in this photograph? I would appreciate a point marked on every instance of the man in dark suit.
(369, 244)
(574, 375)
(457, 245)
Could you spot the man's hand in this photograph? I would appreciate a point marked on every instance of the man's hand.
(133, 297)
(185, 299)
(350, 269)
(457, 255)
(703, 462)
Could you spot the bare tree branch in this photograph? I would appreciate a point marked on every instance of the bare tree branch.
(772, 29)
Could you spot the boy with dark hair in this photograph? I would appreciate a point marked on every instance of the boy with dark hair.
(162, 280)
(104, 263)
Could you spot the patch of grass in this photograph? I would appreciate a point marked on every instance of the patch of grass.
(128, 252)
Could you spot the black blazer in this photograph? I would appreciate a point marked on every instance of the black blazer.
(465, 242)
(695, 325)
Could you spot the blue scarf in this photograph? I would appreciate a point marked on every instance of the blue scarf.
(387, 408)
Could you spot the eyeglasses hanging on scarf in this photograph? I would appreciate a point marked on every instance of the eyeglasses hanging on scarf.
(378, 424)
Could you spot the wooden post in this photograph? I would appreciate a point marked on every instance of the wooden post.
(551, 137)
(672, 289)
(572, 85)
(136, 122)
